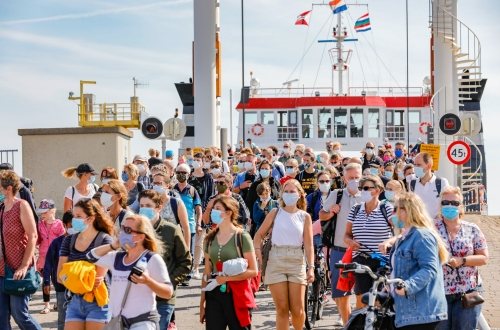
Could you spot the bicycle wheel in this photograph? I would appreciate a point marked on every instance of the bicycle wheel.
(311, 305)
(322, 296)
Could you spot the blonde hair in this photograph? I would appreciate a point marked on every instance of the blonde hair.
(451, 190)
(417, 216)
(151, 241)
(132, 171)
(119, 188)
(70, 173)
(301, 203)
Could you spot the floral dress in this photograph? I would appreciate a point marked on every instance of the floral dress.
(468, 240)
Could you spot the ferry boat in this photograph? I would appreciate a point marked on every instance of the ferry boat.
(355, 115)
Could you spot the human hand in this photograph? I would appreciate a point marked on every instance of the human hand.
(199, 229)
(245, 184)
(455, 262)
(221, 279)
(335, 208)
(98, 280)
(310, 275)
(144, 278)
(353, 245)
(384, 247)
(20, 273)
(400, 292)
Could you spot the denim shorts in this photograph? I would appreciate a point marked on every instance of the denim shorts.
(79, 310)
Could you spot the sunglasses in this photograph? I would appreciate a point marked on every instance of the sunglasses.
(454, 203)
(128, 230)
(324, 181)
(366, 188)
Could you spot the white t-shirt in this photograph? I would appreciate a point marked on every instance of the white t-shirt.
(429, 195)
(288, 228)
(77, 196)
(141, 299)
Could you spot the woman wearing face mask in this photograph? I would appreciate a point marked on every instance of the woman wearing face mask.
(262, 206)
(114, 201)
(141, 250)
(108, 173)
(417, 259)
(18, 235)
(467, 249)
(92, 227)
(291, 259)
(389, 172)
(368, 225)
(85, 188)
(130, 174)
(265, 170)
(216, 306)
(316, 199)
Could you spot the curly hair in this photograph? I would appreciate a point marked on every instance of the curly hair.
(10, 178)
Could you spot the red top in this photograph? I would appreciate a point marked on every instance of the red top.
(15, 237)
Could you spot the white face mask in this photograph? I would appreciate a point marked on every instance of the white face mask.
(196, 164)
(352, 186)
(366, 196)
(248, 166)
(324, 187)
(215, 171)
(105, 181)
(141, 168)
(206, 165)
(368, 151)
(290, 199)
(106, 200)
(241, 166)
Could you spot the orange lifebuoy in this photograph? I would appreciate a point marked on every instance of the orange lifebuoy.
(257, 129)
(421, 128)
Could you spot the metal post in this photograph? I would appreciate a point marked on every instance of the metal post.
(242, 68)
(223, 143)
(163, 148)
(230, 117)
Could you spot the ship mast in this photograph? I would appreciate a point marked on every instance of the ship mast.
(340, 65)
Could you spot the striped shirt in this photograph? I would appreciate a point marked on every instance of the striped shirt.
(370, 230)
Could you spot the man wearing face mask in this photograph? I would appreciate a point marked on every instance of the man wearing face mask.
(347, 198)
(307, 177)
(175, 254)
(427, 185)
(370, 157)
(244, 180)
(142, 165)
(202, 181)
(400, 153)
(278, 169)
(286, 153)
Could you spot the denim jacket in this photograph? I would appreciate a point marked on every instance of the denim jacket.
(415, 260)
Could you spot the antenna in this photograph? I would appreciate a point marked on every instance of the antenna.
(289, 83)
(138, 84)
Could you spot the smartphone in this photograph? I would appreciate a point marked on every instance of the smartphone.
(135, 271)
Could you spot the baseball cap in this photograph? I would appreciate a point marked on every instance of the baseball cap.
(85, 168)
(6, 166)
(169, 153)
(139, 158)
(46, 205)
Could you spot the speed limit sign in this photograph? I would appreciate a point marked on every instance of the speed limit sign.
(458, 152)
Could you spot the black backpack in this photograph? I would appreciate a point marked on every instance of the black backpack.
(328, 227)
(413, 183)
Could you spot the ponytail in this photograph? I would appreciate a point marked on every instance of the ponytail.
(69, 172)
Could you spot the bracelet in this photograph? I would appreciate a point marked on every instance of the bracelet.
(112, 247)
(464, 260)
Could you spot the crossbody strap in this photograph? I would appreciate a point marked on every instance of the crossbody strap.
(129, 284)
(453, 254)
(1, 234)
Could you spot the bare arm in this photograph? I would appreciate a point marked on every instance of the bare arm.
(162, 290)
(206, 214)
(29, 226)
(261, 234)
(348, 238)
(62, 261)
(68, 204)
(308, 241)
(183, 221)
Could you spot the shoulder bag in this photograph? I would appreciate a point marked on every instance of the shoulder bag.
(267, 245)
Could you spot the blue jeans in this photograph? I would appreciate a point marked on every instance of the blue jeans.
(165, 311)
(459, 318)
(17, 307)
(61, 309)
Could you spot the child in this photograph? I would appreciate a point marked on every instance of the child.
(48, 228)
(262, 206)
(50, 273)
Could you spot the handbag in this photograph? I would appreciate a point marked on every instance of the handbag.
(266, 247)
(473, 297)
(26, 286)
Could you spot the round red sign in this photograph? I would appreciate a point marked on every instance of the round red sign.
(458, 152)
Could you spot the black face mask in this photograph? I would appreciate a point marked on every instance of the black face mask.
(181, 177)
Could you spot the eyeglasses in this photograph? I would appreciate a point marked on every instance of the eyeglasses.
(366, 188)
(128, 230)
(324, 181)
(454, 203)
(182, 173)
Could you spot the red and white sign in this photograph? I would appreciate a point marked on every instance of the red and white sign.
(458, 152)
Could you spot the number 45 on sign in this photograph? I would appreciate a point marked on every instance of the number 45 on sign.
(459, 152)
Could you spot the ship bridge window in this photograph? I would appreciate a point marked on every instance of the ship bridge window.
(373, 123)
(356, 122)
(324, 123)
(339, 123)
(250, 118)
(267, 118)
(307, 123)
(414, 117)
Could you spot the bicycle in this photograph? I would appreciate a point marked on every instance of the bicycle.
(379, 312)
(317, 292)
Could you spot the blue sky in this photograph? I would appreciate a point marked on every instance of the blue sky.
(47, 47)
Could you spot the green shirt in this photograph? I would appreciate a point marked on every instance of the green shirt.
(229, 250)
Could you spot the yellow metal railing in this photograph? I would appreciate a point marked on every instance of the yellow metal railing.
(111, 114)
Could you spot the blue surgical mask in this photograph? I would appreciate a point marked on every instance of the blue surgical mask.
(78, 225)
(373, 171)
(126, 240)
(159, 189)
(124, 176)
(290, 199)
(397, 222)
(389, 195)
(450, 212)
(2, 197)
(289, 170)
(419, 172)
(148, 212)
(388, 174)
(398, 153)
(264, 173)
(216, 216)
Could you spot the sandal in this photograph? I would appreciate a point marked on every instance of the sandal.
(45, 310)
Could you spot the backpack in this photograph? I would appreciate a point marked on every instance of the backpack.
(173, 206)
(28, 183)
(328, 227)
(280, 171)
(413, 183)
(382, 209)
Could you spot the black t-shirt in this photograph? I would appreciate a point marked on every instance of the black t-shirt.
(308, 181)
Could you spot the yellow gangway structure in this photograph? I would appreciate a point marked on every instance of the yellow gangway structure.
(92, 114)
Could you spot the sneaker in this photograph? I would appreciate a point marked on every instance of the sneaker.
(172, 326)
(338, 322)
(195, 275)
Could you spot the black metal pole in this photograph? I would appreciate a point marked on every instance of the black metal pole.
(242, 69)
(407, 79)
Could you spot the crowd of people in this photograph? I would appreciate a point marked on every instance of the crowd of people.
(242, 224)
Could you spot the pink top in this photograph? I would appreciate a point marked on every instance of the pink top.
(47, 234)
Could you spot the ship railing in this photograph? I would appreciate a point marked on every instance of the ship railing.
(7, 156)
(328, 91)
(111, 114)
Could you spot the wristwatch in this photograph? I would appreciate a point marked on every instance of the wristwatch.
(464, 260)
